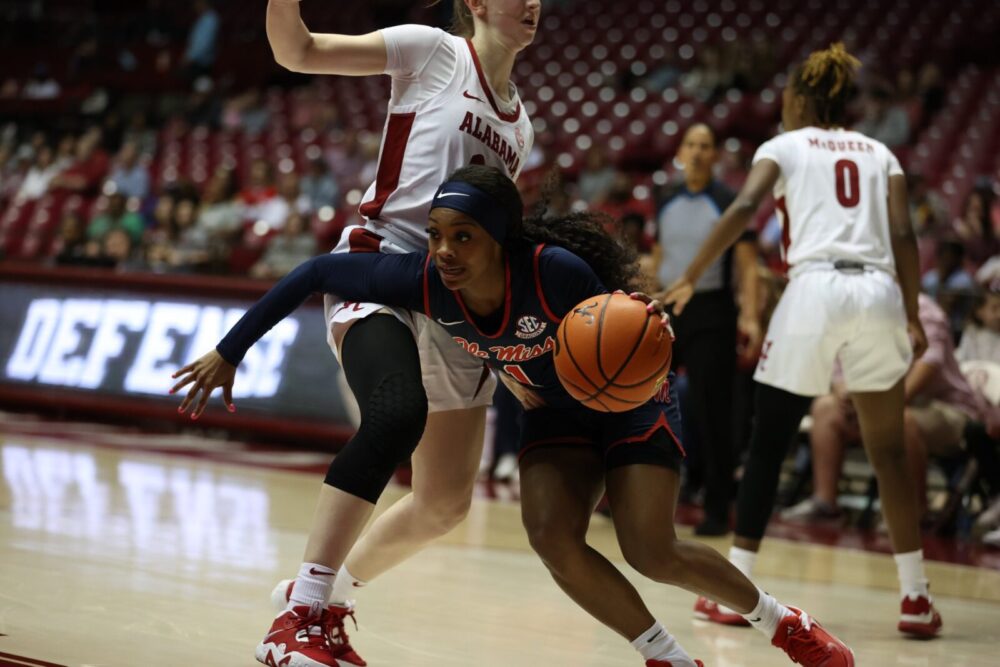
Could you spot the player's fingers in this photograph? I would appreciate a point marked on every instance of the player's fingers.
(205, 393)
(186, 369)
(191, 395)
(184, 381)
(639, 296)
(227, 396)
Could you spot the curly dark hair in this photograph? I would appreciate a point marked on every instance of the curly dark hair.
(827, 78)
(583, 233)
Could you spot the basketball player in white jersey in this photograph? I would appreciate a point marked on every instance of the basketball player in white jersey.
(852, 298)
(452, 104)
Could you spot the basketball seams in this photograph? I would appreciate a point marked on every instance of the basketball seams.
(572, 358)
(600, 332)
(603, 397)
(635, 348)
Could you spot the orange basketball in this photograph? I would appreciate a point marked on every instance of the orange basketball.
(611, 355)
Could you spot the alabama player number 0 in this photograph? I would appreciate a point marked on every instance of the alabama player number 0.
(848, 183)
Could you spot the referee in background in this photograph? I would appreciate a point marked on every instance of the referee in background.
(706, 331)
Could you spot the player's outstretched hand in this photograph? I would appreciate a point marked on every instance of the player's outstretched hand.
(653, 307)
(917, 337)
(678, 294)
(205, 375)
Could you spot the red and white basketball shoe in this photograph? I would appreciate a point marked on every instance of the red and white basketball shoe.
(918, 617)
(667, 663)
(298, 638)
(340, 643)
(808, 644)
(707, 610)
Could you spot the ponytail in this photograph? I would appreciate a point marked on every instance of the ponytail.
(827, 79)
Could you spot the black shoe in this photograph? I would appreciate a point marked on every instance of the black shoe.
(712, 527)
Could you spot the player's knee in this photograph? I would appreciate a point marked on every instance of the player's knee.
(392, 422)
(393, 416)
(555, 542)
(440, 516)
(654, 559)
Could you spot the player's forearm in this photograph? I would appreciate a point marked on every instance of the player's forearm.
(288, 36)
(745, 256)
(907, 259)
(279, 302)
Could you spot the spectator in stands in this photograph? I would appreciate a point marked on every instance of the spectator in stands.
(345, 160)
(596, 177)
(247, 112)
(36, 181)
(199, 56)
(72, 242)
(318, 185)
(14, 172)
(883, 120)
(259, 188)
(130, 176)
(939, 404)
(709, 77)
(975, 227)
(707, 329)
(203, 107)
(117, 216)
(293, 246)
(41, 85)
(948, 274)
(117, 248)
(981, 337)
(220, 214)
(161, 217)
(65, 152)
(931, 88)
(89, 167)
(193, 247)
(138, 132)
(663, 73)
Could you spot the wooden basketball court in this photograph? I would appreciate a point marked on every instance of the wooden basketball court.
(113, 556)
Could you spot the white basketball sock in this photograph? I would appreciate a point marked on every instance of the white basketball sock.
(743, 560)
(345, 587)
(658, 644)
(767, 614)
(912, 578)
(312, 586)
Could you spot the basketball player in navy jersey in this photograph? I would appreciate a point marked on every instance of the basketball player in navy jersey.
(501, 286)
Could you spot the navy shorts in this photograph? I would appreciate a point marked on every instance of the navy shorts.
(648, 434)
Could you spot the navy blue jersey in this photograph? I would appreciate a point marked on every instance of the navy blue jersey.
(542, 284)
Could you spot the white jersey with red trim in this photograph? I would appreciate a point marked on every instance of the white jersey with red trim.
(832, 196)
(442, 115)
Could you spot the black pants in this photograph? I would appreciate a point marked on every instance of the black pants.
(706, 348)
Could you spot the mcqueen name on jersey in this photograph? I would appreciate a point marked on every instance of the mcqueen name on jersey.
(831, 145)
(508, 353)
(482, 130)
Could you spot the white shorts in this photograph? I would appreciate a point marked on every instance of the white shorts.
(827, 315)
(453, 378)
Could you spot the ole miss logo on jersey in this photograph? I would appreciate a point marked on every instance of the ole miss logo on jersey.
(529, 326)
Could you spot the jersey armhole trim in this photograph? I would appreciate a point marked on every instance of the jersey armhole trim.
(507, 117)
(538, 286)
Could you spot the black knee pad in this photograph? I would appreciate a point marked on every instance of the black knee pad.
(393, 417)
